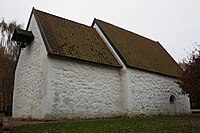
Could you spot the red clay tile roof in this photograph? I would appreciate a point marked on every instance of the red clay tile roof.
(70, 39)
(139, 52)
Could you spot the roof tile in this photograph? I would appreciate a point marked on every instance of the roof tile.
(140, 52)
(70, 39)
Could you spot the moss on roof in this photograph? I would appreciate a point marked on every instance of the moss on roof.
(70, 39)
(140, 52)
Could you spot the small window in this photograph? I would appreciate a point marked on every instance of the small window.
(172, 99)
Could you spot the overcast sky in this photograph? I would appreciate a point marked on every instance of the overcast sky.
(174, 23)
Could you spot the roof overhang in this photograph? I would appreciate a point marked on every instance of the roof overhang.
(23, 37)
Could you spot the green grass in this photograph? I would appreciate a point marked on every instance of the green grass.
(154, 124)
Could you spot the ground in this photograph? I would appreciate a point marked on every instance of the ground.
(10, 122)
(148, 124)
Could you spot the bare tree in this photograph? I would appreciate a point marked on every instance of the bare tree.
(8, 62)
(7, 29)
(190, 79)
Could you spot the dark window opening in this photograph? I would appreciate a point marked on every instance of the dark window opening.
(172, 99)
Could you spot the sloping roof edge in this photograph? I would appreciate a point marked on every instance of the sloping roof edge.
(95, 21)
(40, 28)
(110, 41)
(36, 15)
(170, 56)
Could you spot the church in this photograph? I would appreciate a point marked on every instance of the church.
(68, 70)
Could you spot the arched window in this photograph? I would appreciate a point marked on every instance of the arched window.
(172, 99)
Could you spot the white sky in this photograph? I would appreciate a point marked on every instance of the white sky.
(174, 23)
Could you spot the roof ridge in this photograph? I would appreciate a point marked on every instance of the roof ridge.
(125, 30)
(140, 52)
(75, 40)
(63, 18)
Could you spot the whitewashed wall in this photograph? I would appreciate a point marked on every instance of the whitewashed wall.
(149, 94)
(30, 78)
(56, 88)
(77, 89)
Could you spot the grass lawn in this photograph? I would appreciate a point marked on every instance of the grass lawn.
(153, 124)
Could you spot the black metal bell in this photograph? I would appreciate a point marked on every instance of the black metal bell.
(23, 37)
(23, 45)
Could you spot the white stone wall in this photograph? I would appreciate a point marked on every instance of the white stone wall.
(149, 94)
(123, 72)
(54, 88)
(30, 78)
(78, 89)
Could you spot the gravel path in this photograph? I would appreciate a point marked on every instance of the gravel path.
(9, 122)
